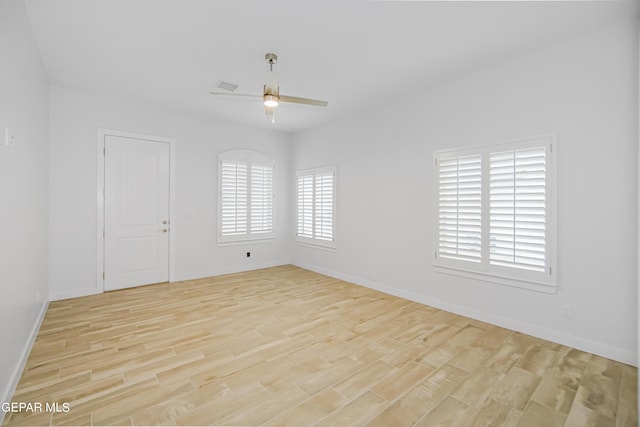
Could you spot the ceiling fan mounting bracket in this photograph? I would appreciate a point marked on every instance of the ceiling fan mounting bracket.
(271, 58)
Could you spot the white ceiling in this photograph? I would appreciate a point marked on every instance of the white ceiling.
(352, 53)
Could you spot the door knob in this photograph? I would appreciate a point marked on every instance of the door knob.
(164, 230)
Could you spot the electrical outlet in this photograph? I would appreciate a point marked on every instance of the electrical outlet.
(566, 311)
(8, 138)
(248, 254)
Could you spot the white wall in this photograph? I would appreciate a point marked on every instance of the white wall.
(638, 243)
(587, 91)
(75, 118)
(24, 109)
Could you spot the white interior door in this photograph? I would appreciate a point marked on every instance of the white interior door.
(136, 212)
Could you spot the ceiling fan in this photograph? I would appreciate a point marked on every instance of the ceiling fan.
(271, 94)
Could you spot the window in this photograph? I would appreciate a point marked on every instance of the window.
(246, 196)
(496, 212)
(316, 206)
(460, 207)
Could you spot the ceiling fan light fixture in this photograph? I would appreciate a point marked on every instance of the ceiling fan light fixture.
(270, 112)
(271, 100)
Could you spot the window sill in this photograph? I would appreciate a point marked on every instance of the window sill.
(247, 242)
(324, 247)
(548, 288)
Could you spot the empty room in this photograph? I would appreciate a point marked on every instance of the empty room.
(336, 213)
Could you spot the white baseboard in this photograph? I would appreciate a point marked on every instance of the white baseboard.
(7, 393)
(73, 293)
(238, 268)
(248, 266)
(580, 343)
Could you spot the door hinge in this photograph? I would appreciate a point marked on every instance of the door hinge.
(103, 235)
(104, 151)
(103, 275)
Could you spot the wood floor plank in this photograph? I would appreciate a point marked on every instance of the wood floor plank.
(28, 418)
(422, 398)
(224, 406)
(468, 359)
(570, 367)
(311, 410)
(355, 413)
(627, 415)
(283, 395)
(329, 376)
(537, 415)
(582, 416)
(492, 338)
(477, 389)
(82, 420)
(552, 393)
(604, 367)
(124, 408)
(440, 355)
(537, 359)
(516, 387)
(449, 413)
(599, 393)
(36, 392)
(164, 413)
(364, 379)
(151, 368)
(503, 359)
(268, 372)
(493, 414)
(86, 391)
(114, 397)
(285, 346)
(403, 379)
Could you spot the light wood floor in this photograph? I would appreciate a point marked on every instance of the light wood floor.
(285, 346)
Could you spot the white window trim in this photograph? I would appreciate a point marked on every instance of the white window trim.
(329, 245)
(546, 283)
(250, 157)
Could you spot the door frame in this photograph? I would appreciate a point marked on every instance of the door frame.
(100, 241)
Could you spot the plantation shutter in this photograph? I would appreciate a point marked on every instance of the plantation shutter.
(246, 196)
(324, 206)
(517, 209)
(233, 198)
(460, 207)
(495, 215)
(316, 206)
(261, 199)
(305, 206)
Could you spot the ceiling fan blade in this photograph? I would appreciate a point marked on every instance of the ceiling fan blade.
(296, 100)
(235, 94)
